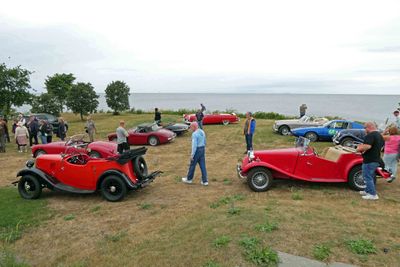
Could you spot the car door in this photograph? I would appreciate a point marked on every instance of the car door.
(138, 137)
(312, 167)
(76, 175)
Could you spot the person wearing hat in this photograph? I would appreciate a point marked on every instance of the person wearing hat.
(248, 131)
(21, 136)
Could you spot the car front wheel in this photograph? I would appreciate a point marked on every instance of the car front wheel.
(311, 136)
(259, 179)
(348, 141)
(29, 187)
(113, 188)
(225, 122)
(153, 141)
(39, 152)
(284, 130)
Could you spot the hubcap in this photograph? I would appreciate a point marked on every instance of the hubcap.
(260, 180)
(285, 131)
(113, 189)
(27, 186)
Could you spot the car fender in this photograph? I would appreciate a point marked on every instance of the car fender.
(44, 178)
(351, 165)
(126, 179)
(254, 164)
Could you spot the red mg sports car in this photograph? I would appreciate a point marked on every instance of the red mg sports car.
(224, 119)
(336, 165)
(79, 173)
(76, 144)
(147, 134)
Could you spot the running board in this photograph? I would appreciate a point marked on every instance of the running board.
(70, 189)
(150, 178)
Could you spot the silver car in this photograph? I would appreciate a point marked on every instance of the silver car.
(285, 126)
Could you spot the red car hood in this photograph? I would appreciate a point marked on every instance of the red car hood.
(53, 144)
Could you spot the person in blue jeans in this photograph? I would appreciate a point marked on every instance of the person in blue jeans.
(248, 131)
(371, 153)
(198, 155)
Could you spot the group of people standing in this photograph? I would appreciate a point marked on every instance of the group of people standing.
(371, 149)
(30, 131)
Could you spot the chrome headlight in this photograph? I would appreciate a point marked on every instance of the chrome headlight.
(30, 163)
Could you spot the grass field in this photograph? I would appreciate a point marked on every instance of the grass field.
(174, 224)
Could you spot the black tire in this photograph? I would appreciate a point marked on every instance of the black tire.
(39, 152)
(259, 179)
(312, 136)
(355, 179)
(284, 130)
(29, 187)
(94, 154)
(348, 141)
(225, 122)
(113, 188)
(153, 140)
(140, 168)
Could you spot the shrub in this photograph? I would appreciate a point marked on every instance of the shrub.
(361, 246)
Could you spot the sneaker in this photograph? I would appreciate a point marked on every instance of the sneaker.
(185, 180)
(204, 183)
(370, 197)
(363, 193)
(391, 179)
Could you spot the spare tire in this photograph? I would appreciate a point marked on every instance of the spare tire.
(140, 168)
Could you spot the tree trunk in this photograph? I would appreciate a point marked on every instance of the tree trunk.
(81, 116)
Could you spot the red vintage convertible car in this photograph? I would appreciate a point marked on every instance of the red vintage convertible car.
(336, 165)
(76, 144)
(223, 118)
(147, 134)
(79, 173)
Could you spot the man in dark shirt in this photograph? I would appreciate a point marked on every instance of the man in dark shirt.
(200, 116)
(371, 153)
(157, 116)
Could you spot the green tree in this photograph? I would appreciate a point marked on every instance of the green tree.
(14, 87)
(45, 103)
(59, 85)
(117, 96)
(82, 99)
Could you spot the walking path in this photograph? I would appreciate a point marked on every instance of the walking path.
(288, 260)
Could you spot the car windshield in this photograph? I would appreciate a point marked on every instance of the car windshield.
(326, 124)
(155, 127)
(302, 142)
(304, 119)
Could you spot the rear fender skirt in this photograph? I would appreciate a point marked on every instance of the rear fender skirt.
(128, 181)
(44, 178)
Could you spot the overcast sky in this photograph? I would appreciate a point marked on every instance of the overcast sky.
(308, 46)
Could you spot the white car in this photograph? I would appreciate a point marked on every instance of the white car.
(285, 126)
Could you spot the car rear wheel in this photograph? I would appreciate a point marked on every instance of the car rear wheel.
(225, 122)
(355, 179)
(39, 152)
(153, 140)
(311, 136)
(113, 188)
(140, 168)
(348, 141)
(284, 130)
(259, 179)
(94, 154)
(29, 187)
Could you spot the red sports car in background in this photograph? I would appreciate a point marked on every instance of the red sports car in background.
(223, 118)
(336, 165)
(147, 134)
(76, 144)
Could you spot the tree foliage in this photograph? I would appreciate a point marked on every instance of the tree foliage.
(59, 85)
(14, 87)
(82, 99)
(45, 103)
(117, 96)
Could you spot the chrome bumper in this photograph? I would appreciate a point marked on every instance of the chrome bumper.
(239, 171)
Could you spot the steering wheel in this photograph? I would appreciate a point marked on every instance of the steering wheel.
(77, 158)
